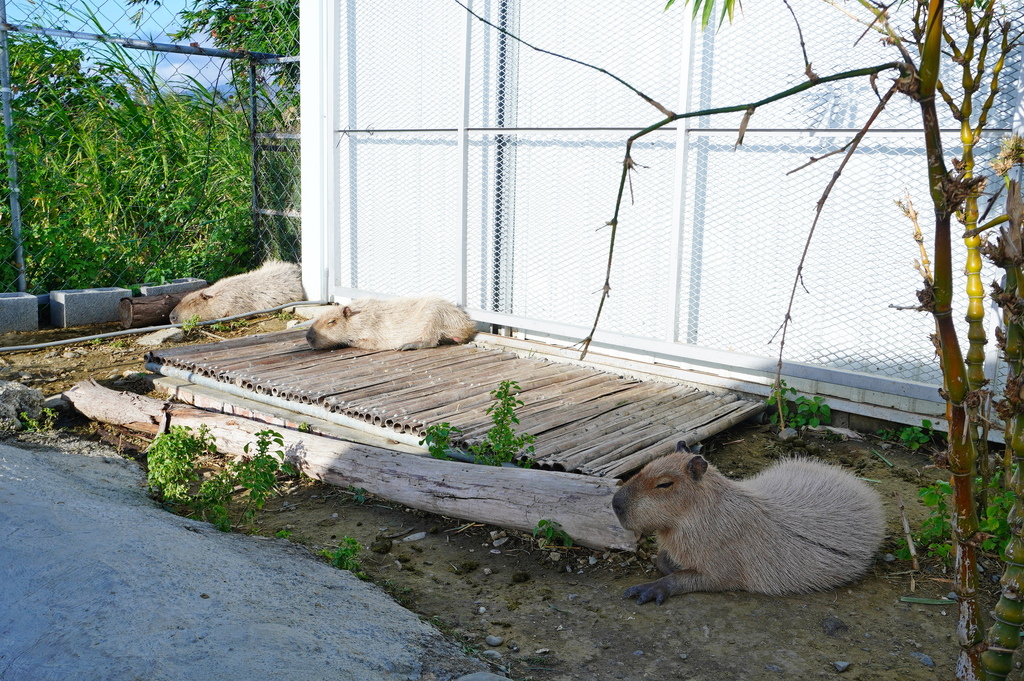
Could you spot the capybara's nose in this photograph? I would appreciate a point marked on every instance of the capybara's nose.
(618, 505)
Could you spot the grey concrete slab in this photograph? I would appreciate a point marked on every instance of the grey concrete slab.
(78, 307)
(18, 312)
(173, 286)
(100, 582)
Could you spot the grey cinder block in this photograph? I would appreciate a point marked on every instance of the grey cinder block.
(175, 286)
(77, 307)
(18, 312)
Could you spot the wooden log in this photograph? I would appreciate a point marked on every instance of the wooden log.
(143, 311)
(509, 497)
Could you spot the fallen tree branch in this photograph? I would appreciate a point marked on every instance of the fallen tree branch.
(514, 498)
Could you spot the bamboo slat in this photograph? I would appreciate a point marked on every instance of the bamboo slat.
(585, 420)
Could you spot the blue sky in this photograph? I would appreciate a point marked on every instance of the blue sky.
(119, 18)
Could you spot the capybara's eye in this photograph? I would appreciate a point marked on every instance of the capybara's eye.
(330, 322)
(664, 485)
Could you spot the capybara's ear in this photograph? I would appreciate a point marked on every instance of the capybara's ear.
(205, 296)
(347, 312)
(682, 447)
(697, 467)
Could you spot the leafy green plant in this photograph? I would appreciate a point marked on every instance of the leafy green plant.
(934, 538)
(911, 437)
(501, 443)
(805, 411)
(811, 412)
(43, 424)
(283, 534)
(171, 460)
(359, 495)
(257, 471)
(190, 324)
(345, 556)
(437, 438)
(550, 533)
(778, 412)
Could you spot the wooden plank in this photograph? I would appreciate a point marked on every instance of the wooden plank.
(509, 497)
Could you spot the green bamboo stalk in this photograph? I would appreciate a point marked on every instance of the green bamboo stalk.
(962, 453)
(1003, 637)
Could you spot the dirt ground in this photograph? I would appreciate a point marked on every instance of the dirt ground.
(557, 614)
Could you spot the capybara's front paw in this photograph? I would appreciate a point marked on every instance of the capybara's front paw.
(652, 591)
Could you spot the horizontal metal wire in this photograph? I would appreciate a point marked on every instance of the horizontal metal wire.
(137, 44)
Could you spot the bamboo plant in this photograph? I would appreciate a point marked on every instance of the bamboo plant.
(1008, 253)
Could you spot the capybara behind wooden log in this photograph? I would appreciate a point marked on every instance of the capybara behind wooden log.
(395, 324)
(797, 526)
(273, 284)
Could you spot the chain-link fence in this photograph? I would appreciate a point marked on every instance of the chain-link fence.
(153, 140)
(710, 234)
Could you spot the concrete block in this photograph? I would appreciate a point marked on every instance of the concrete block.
(77, 307)
(175, 286)
(18, 312)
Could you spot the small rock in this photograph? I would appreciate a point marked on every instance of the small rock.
(841, 666)
(772, 668)
(952, 596)
(592, 560)
(638, 652)
(70, 354)
(788, 434)
(488, 571)
(381, 545)
(923, 659)
(416, 536)
(555, 555)
(683, 656)
(481, 610)
(160, 337)
(494, 641)
(833, 625)
(889, 558)
(499, 542)
(492, 654)
(481, 676)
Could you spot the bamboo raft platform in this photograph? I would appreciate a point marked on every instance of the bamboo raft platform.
(585, 420)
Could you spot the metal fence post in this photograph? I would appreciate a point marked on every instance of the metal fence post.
(12, 161)
(257, 201)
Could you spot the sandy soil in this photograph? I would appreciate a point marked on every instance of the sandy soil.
(559, 613)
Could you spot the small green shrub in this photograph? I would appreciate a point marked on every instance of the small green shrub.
(43, 424)
(501, 444)
(345, 556)
(172, 461)
(911, 437)
(437, 438)
(550, 533)
(934, 539)
(359, 495)
(805, 412)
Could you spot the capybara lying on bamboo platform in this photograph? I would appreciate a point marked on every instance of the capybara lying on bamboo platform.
(797, 526)
(396, 324)
(273, 284)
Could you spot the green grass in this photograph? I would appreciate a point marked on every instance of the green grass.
(126, 177)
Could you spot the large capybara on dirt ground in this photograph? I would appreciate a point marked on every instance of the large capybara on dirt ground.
(275, 283)
(396, 324)
(797, 526)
